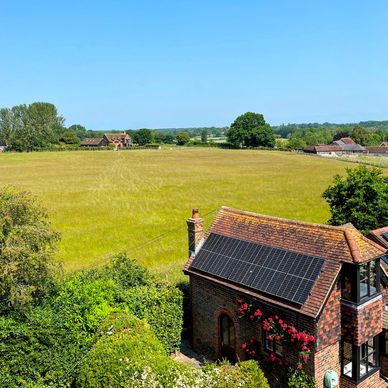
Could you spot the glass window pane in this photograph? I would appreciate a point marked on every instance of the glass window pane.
(372, 278)
(372, 360)
(347, 359)
(363, 280)
(279, 348)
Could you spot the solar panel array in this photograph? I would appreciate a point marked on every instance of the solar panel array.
(274, 271)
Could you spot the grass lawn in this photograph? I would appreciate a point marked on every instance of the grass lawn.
(107, 202)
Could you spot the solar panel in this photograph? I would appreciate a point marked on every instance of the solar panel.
(385, 236)
(275, 271)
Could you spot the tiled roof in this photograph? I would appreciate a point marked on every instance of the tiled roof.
(116, 136)
(335, 244)
(384, 144)
(377, 150)
(347, 140)
(91, 141)
(327, 148)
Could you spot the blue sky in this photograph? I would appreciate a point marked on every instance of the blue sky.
(158, 64)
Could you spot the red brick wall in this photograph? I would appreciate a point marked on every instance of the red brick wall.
(327, 359)
(209, 300)
(373, 381)
(360, 323)
(328, 327)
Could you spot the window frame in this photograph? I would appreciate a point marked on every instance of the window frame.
(357, 359)
(274, 344)
(353, 273)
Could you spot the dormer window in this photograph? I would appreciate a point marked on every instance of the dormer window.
(360, 282)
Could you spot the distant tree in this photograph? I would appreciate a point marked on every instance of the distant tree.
(69, 137)
(251, 130)
(169, 139)
(296, 143)
(182, 138)
(340, 134)
(159, 136)
(360, 135)
(79, 130)
(361, 198)
(27, 243)
(204, 134)
(143, 136)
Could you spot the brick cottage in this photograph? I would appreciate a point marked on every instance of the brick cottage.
(291, 293)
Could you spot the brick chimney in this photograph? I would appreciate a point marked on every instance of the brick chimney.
(195, 231)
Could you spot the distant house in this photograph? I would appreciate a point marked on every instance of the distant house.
(378, 151)
(343, 146)
(119, 140)
(254, 279)
(324, 149)
(384, 144)
(94, 142)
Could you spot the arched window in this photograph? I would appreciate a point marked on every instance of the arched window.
(227, 338)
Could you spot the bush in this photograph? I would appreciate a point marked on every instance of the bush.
(127, 354)
(27, 245)
(161, 306)
(300, 379)
(38, 350)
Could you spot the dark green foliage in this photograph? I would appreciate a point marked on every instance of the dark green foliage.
(182, 138)
(161, 306)
(360, 135)
(127, 272)
(143, 136)
(27, 244)
(340, 134)
(360, 198)
(204, 135)
(300, 379)
(251, 130)
(69, 137)
(296, 143)
(130, 348)
(38, 350)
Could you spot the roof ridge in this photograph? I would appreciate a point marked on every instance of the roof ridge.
(340, 228)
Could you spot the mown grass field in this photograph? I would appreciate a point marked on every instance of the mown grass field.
(107, 202)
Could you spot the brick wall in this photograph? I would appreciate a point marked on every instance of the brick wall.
(360, 323)
(373, 381)
(328, 327)
(210, 300)
(327, 359)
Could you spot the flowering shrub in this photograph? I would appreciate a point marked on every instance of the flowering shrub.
(279, 330)
(251, 347)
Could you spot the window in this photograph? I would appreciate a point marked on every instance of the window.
(360, 282)
(368, 281)
(273, 345)
(359, 361)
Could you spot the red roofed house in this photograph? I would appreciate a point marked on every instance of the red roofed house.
(119, 140)
(288, 292)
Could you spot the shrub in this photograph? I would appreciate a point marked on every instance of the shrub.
(161, 306)
(128, 354)
(27, 244)
(300, 379)
(38, 350)
(84, 301)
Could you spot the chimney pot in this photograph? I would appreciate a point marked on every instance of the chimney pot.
(195, 213)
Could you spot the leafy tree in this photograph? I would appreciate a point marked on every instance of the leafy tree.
(27, 243)
(361, 198)
(340, 134)
(204, 136)
(182, 138)
(169, 139)
(69, 137)
(251, 130)
(360, 135)
(143, 136)
(296, 143)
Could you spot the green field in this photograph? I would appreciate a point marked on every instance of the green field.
(107, 202)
